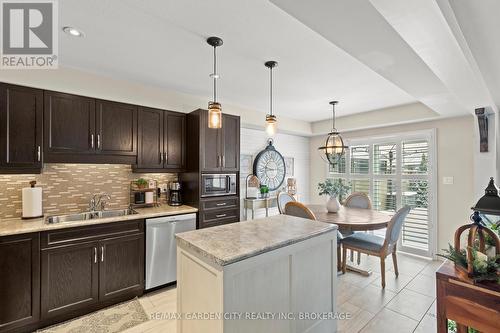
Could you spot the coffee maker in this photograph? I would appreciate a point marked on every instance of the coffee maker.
(174, 196)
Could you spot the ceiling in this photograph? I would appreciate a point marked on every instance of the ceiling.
(369, 55)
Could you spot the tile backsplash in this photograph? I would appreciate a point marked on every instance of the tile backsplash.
(68, 187)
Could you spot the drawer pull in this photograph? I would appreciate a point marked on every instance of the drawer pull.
(102, 253)
(220, 215)
(95, 255)
(221, 204)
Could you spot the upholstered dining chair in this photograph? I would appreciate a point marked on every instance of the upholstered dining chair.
(294, 208)
(358, 200)
(283, 199)
(376, 245)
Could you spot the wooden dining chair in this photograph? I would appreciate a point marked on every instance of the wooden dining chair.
(376, 245)
(295, 208)
(358, 200)
(282, 199)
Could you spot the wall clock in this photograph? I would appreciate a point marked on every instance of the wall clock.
(269, 166)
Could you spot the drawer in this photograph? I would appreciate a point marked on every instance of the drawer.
(213, 218)
(220, 203)
(88, 233)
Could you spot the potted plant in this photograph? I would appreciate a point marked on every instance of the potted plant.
(336, 190)
(264, 191)
(141, 183)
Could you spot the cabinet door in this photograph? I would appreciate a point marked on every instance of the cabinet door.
(121, 270)
(209, 145)
(230, 145)
(150, 139)
(69, 278)
(19, 280)
(175, 140)
(116, 128)
(69, 124)
(21, 112)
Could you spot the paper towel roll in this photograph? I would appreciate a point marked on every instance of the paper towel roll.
(32, 202)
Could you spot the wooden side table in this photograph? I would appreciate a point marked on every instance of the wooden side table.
(469, 305)
(255, 204)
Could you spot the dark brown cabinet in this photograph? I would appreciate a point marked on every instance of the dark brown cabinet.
(19, 281)
(121, 267)
(86, 268)
(82, 130)
(220, 148)
(69, 123)
(21, 122)
(69, 278)
(116, 125)
(161, 140)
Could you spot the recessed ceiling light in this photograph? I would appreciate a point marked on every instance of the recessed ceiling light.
(73, 32)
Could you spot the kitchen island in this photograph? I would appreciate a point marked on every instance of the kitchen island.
(276, 274)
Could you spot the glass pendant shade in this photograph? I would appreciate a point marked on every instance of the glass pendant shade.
(271, 125)
(214, 115)
(334, 147)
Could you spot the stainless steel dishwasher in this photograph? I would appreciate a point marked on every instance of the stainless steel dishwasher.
(161, 250)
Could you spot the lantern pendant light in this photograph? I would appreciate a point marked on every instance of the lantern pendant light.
(270, 117)
(214, 108)
(334, 147)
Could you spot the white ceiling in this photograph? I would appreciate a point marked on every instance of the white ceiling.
(368, 54)
(163, 43)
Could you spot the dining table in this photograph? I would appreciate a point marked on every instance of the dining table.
(350, 219)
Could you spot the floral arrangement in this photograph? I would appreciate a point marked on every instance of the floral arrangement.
(333, 188)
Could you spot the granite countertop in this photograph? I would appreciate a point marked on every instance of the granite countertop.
(19, 226)
(226, 244)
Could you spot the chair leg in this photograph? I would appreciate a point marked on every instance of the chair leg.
(339, 259)
(395, 262)
(359, 258)
(382, 270)
(344, 259)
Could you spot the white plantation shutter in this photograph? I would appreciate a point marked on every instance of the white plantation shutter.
(396, 172)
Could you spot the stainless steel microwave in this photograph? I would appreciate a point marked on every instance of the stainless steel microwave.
(215, 184)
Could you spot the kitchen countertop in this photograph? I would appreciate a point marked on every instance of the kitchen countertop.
(19, 226)
(226, 244)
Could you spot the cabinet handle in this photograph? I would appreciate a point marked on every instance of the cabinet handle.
(39, 153)
(220, 215)
(95, 255)
(98, 141)
(102, 253)
(165, 157)
(92, 141)
(221, 204)
(223, 158)
(161, 158)
(218, 161)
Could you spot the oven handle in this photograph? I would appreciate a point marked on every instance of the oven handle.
(228, 184)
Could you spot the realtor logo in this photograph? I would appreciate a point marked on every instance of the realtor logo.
(29, 34)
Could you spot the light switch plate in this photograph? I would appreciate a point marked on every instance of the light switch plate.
(448, 180)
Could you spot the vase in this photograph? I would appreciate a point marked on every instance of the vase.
(333, 204)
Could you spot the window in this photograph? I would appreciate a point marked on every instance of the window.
(396, 171)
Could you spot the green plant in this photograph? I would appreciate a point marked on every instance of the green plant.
(264, 189)
(333, 188)
(141, 183)
(483, 270)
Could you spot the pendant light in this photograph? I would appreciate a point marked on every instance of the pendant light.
(270, 117)
(214, 108)
(334, 147)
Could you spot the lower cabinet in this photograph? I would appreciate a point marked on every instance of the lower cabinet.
(69, 278)
(86, 268)
(19, 281)
(218, 211)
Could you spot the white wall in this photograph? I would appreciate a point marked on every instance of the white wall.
(253, 141)
(78, 82)
(455, 147)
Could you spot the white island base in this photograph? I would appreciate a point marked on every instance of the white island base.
(242, 293)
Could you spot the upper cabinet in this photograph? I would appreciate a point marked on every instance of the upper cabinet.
(82, 130)
(161, 141)
(215, 150)
(21, 119)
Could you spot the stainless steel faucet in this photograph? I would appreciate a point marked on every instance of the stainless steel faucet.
(98, 202)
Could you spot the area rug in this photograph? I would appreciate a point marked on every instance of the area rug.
(109, 320)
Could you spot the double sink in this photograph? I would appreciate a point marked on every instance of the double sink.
(90, 215)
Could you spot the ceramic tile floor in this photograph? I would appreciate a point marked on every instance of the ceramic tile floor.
(406, 305)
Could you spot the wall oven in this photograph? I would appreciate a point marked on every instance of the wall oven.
(218, 184)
